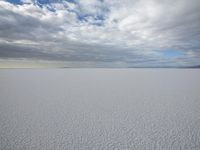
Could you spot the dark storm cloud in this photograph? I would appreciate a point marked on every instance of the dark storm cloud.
(77, 52)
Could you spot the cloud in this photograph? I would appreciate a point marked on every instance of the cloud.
(135, 33)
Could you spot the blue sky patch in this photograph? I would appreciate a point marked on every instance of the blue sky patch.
(172, 53)
(17, 2)
(42, 2)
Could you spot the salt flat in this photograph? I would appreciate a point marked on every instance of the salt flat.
(100, 109)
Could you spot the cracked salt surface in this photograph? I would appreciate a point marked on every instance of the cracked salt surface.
(100, 109)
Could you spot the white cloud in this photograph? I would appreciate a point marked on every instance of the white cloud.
(141, 28)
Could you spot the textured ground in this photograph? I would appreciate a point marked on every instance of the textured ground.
(96, 109)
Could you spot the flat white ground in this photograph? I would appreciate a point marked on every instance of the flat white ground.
(136, 109)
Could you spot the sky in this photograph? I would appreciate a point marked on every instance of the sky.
(100, 33)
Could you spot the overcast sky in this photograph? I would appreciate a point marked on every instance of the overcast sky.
(101, 33)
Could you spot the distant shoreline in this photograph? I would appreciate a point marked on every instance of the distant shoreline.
(198, 67)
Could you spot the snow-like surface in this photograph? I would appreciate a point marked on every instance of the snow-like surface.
(96, 109)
